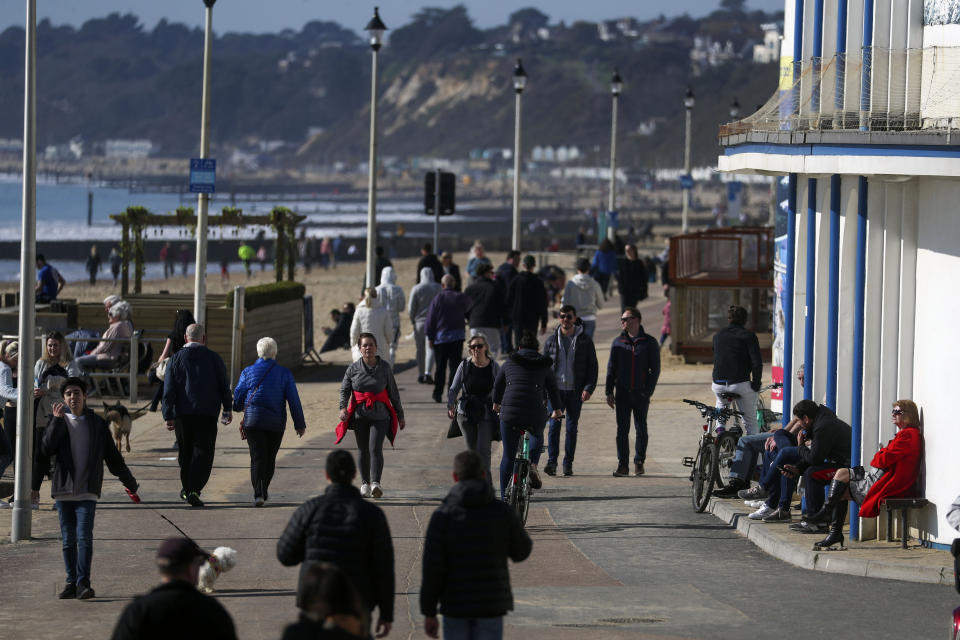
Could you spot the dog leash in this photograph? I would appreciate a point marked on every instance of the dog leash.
(184, 533)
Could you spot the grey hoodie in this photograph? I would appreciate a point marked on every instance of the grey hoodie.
(584, 294)
(422, 295)
(391, 294)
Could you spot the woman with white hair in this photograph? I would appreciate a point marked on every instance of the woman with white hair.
(107, 353)
(262, 393)
(371, 317)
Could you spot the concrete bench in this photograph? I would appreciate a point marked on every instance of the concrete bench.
(903, 505)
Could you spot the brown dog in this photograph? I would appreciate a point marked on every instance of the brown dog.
(120, 421)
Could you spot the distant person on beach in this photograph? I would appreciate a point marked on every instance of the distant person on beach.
(339, 336)
(115, 262)
(326, 253)
(246, 255)
(185, 255)
(262, 257)
(94, 264)
(449, 266)
(224, 270)
(167, 258)
(382, 263)
(429, 259)
(49, 281)
(477, 258)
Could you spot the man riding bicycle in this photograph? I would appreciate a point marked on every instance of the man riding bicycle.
(518, 396)
(737, 365)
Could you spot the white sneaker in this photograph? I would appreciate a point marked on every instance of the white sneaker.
(376, 491)
(754, 504)
(762, 512)
(365, 490)
(258, 501)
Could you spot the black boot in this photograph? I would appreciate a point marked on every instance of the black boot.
(730, 491)
(837, 489)
(836, 528)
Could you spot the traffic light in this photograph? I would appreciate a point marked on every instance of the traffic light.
(448, 182)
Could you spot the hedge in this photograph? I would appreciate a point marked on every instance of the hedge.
(266, 294)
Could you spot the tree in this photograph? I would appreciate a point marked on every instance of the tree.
(733, 6)
(529, 18)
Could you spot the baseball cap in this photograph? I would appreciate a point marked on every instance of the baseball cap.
(178, 551)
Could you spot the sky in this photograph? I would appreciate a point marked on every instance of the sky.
(260, 16)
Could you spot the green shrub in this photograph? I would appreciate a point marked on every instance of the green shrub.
(267, 294)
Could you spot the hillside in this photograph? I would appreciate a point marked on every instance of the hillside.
(445, 86)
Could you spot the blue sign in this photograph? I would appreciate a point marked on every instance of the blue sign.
(612, 219)
(686, 181)
(203, 173)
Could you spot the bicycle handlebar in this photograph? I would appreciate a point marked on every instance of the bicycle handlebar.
(714, 412)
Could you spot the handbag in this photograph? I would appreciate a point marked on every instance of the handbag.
(246, 401)
(453, 431)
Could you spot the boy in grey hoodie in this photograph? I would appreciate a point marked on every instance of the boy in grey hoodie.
(421, 296)
(584, 294)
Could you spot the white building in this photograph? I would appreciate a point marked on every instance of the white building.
(769, 51)
(127, 148)
(870, 293)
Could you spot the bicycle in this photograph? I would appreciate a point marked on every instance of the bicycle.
(706, 464)
(518, 488)
(727, 438)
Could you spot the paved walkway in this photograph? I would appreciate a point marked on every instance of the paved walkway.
(574, 575)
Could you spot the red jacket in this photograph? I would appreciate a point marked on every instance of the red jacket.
(901, 458)
(368, 398)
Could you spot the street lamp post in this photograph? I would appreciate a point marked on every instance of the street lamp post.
(519, 83)
(734, 110)
(688, 106)
(375, 28)
(203, 199)
(616, 87)
(20, 522)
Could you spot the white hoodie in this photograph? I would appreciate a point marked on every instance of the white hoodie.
(584, 294)
(375, 320)
(391, 295)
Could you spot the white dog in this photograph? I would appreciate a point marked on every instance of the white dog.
(223, 559)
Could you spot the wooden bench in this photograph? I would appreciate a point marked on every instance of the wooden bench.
(903, 505)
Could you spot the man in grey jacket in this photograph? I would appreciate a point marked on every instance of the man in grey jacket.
(584, 294)
(421, 296)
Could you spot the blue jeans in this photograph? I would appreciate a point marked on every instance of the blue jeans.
(745, 458)
(589, 326)
(779, 486)
(472, 628)
(571, 404)
(76, 529)
(636, 404)
(511, 438)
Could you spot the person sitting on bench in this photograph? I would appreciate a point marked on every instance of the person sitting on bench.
(108, 353)
(893, 474)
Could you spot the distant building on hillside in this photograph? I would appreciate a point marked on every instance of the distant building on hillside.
(769, 51)
(121, 148)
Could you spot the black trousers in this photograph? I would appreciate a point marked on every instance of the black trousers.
(448, 355)
(264, 445)
(196, 441)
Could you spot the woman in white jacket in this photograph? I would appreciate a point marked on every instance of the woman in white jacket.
(371, 317)
(392, 299)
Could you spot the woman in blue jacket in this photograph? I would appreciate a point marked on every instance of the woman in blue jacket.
(261, 392)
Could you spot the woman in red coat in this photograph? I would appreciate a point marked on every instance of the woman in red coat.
(893, 474)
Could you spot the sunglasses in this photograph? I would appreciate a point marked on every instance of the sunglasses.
(478, 345)
(897, 412)
(627, 319)
(566, 316)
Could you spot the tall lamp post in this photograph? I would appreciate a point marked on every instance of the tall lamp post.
(519, 83)
(616, 87)
(688, 106)
(21, 518)
(375, 28)
(203, 199)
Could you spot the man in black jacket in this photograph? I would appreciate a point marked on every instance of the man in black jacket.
(527, 301)
(342, 528)
(575, 367)
(485, 313)
(429, 260)
(176, 608)
(469, 539)
(632, 373)
(737, 365)
(506, 272)
(81, 442)
(195, 388)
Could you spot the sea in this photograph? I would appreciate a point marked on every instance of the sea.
(62, 215)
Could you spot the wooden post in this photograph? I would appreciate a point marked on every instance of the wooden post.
(125, 254)
(138, 259)
(291, 248)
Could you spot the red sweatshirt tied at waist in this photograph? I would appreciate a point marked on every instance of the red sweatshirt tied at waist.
(367, 398)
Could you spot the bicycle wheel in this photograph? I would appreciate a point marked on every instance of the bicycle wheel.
(518, 489)
(704, 473)
(726, 449)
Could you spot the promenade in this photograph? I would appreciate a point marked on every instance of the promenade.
(600, 543)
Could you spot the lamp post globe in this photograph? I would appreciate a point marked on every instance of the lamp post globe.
(616, 83)
(735, 109)
(519, 84)
(375, 28)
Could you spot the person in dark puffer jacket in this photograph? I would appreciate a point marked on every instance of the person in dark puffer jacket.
(469, 539)
(519, 391)
(342, 528)
(263, 390)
